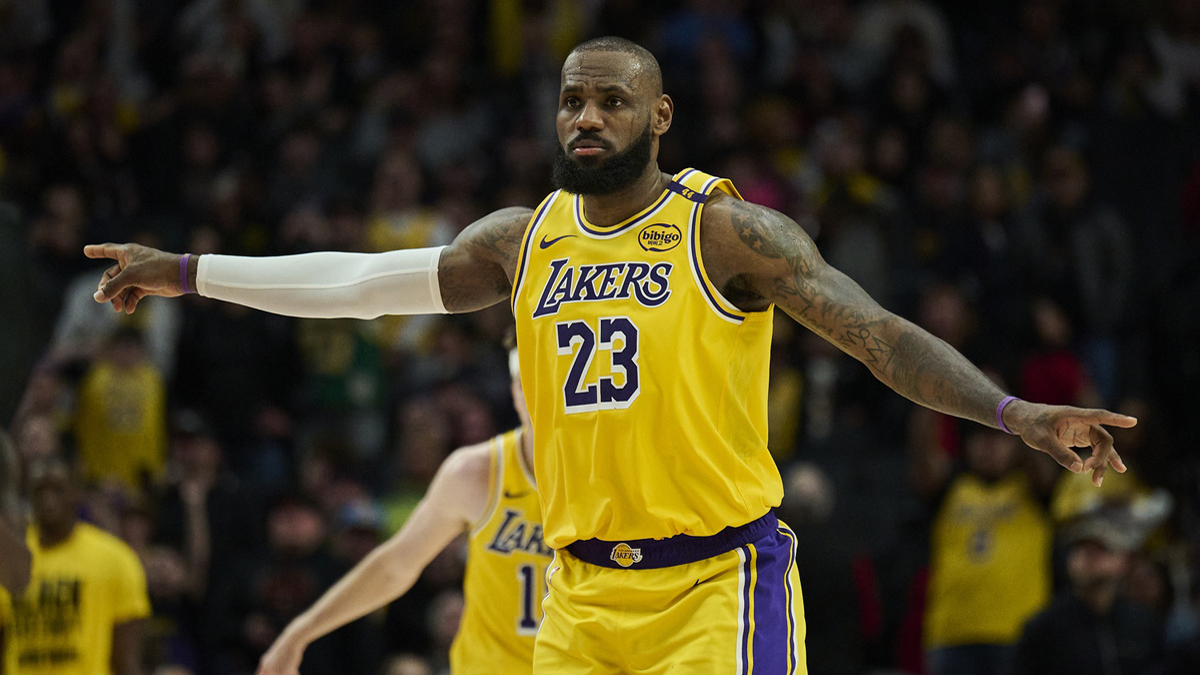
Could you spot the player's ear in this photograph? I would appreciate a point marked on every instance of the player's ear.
(664, 111)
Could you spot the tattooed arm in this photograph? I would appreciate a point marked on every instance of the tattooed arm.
(473, 272)
(758, 257)
(477, 268)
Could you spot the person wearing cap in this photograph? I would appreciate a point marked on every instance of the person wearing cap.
(204, 512)
(1090, 627)
(488, 492)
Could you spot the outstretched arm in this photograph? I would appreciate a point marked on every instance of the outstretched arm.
(473, 272)
(455, 500)
(765, 257)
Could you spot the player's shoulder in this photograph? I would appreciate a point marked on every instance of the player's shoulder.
(470, 467)
(722, 208)
(464, 483)
(102, 543)
(507, 217)
(726, 225)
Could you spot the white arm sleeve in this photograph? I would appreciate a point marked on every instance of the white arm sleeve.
(327, 285)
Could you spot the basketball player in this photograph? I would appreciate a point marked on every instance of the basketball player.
(488, 491)
(643, 304)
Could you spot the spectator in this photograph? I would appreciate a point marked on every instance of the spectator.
(990, 559)
(85, 605)
(1078, 251)
(1052, 371)
(1090, 627)
(121, 424)
(205, 515)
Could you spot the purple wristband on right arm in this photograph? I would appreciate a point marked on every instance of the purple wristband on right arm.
(1000, 414)
(183, 273)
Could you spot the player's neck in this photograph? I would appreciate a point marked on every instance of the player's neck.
(612, 208)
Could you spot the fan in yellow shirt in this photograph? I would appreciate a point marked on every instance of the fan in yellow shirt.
(121, 425)
(990, 553)
(82, 611)
(487, 491)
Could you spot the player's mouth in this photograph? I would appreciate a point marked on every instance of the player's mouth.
(588, 148)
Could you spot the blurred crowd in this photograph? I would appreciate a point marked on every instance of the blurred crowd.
(1020, 177)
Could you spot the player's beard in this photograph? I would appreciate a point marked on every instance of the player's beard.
(595, 176)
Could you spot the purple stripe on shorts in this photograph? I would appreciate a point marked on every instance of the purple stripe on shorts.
(793, 653)
(747, 575)
(774, 625)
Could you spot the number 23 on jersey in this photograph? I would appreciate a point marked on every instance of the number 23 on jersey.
(616, 336)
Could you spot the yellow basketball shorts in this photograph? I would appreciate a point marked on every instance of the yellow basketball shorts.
(737, 613)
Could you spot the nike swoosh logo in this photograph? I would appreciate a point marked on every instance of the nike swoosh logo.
(547, 244)
(518, 495)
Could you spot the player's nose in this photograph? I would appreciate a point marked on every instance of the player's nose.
(589, 118)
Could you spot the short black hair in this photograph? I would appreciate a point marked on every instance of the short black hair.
(612, 43)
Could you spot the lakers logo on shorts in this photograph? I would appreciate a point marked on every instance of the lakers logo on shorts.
(624, 555)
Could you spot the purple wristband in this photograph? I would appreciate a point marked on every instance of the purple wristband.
(1000, 414)
(183, 265)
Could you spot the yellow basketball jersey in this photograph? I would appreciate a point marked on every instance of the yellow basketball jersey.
(647, 389)
(506, 568)
(990, 566)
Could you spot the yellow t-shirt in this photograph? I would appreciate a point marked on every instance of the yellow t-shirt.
(647, 388)
(79, 591)
(121, 425)
(990, 566)
(506, 571)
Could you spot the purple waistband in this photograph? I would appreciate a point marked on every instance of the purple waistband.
(648, 554)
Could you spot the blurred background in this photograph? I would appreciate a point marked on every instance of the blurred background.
(1020, 177)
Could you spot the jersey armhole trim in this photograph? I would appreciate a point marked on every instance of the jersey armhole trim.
(495, 485)
(526, 470)
(712, 296)
(526, 246)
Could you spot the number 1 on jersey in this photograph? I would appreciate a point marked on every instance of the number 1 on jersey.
(619, 337)
(527, 624)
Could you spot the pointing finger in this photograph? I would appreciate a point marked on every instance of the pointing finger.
(101, 250)
(1098, 475)
(1111, 419)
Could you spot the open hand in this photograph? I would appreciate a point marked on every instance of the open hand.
(1056, 429)
(140, 271)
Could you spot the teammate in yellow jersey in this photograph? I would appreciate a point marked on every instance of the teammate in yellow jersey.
(643, 302)
(486, 490)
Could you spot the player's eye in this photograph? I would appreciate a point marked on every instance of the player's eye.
(615, 102)
(571, 102)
